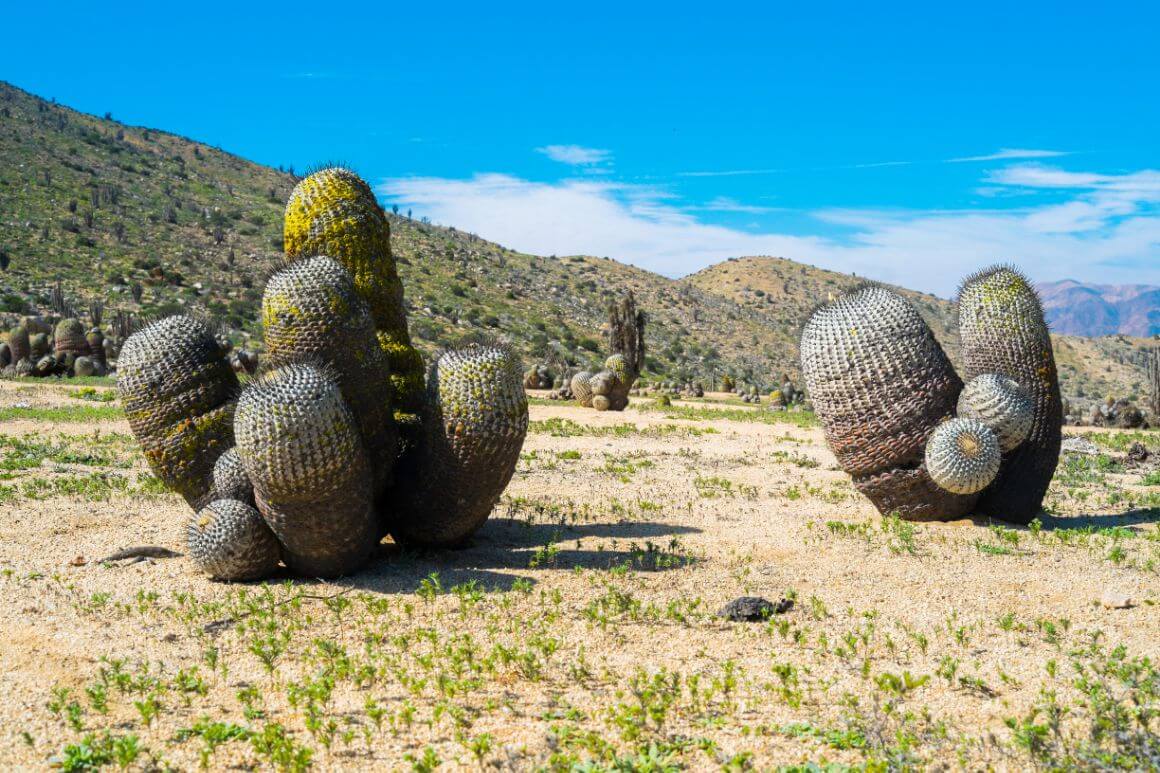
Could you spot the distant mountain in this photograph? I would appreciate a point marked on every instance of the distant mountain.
(1076, 308)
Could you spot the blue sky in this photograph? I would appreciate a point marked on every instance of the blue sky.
(906, 142)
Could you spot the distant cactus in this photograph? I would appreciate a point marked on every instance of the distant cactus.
(18, 343)
(963, 456)
(1003, 331)
(1001, 404)
(602, 383)
(177, 390)
(70, 339)
(39, 345)
(601, 402)
(96, 341)
(582, 388)
(475, 420)
(84, 366)
(334, 212)
(5, 355)
(881, 383)
(228, 540)
(301, 448)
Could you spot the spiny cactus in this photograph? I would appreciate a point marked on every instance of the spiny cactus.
(1001, 404)
(18, 343)
(881, 383)
(601, 402)
(475, 420)
(228, 540)
(70, 338)
(39, 345)
(582, 388)
(310, 309)
(177, 390)
(230, 480)
(1003, 331)
(333, 212)
(5, 355)
(84, 366)
(963, 456)
(301, 449)
(96, 341)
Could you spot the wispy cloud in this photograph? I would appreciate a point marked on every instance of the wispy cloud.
(576, 155)
(1107, 228)
(730, 173)
(726, 204)
(1011, 154)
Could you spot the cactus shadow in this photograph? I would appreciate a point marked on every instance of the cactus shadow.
(1137, 517)
(398, 571)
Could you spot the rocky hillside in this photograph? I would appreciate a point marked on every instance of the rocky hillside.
(1076, 308)
(153, 223)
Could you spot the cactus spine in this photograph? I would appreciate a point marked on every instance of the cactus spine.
(228, 540)
(1003, 331)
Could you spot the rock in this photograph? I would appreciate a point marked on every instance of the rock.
(1113, 599)
(753, 609)
(1137, 452)
(1079, 445)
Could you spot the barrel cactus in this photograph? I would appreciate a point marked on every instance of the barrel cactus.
(962, 456)
(310, 309)
(475, 419)
(301, 448)
(70, 338)
(177, 391)
(317, 458)
(582, 388)
(39, 345)
(1003, 331)
(1000, 403)
(18, 344)
(96, 341)
(881, 384)
(228, 540)
(334, 212)
(899, 419)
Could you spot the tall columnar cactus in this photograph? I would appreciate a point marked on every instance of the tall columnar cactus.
(333, 212)
(18, 344)
(177, 390)
(881, 384)
(70, 339)
(1003, 331)
(474, 421)
(310, 309)
(300, 446)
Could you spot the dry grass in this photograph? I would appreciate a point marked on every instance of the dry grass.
(578, 628)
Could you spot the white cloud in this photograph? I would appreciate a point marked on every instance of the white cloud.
(726, 204)
(576, 155)
(1106, 230)
(1011, 154)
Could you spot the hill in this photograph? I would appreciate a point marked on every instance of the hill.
(1083, 309)
(154, 223)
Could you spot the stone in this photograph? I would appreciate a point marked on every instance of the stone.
(1113, 599)
(753, 609)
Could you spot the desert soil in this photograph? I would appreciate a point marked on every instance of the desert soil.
(579, 624)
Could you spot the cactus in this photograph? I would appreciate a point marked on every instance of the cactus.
(881, 383)
(601, 402)
(39, 346)
(177, 388)
(229, 540)
(70, 339)
(5, 355)
(230, 480)
(1001, 404)
(84, 366)
(582, 389)
(1003, 331)
(963, 456)
(310, 309)
(96, 341)
(334, 212)
(18, 343)
(475, 420)
(300, 446)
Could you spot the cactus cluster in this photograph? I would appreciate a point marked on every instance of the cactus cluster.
(608, 389)
(916, 441)
(35, 348)
(339, 441)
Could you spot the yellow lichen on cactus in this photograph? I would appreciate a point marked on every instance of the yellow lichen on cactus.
(333, 212)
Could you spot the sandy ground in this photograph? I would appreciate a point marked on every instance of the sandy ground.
(578, 625)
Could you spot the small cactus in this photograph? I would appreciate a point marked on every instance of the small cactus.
(228, 540)
(582, 388)
(474, 423)
(1001, 404)
(70, 338)
(230, 480)
(18, 343)
(39, 345)
(963, 456)
(84, 366)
